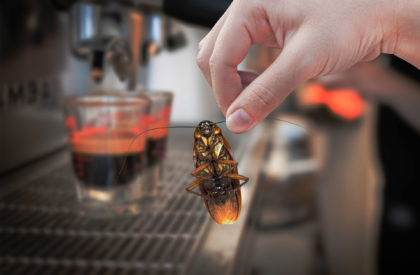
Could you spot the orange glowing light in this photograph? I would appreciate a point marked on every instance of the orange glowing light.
(314, 93)
(345, 103)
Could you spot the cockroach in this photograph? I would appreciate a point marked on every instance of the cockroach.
(216, 172)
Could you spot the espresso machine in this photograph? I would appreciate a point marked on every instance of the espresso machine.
(50, 49)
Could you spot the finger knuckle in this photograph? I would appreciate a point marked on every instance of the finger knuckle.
(263, 96)
(213, 62)
(201, 44)
(201, 60)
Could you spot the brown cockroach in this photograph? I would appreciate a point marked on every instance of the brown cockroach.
(216, 172)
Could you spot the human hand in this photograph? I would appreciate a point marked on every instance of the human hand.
(317, 37)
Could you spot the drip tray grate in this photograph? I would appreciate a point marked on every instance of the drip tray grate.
(43, 229)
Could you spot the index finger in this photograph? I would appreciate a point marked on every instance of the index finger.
(206, 46)
(230, 49)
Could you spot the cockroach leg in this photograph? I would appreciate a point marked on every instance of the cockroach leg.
(227, 161)
(196, 172)
(194, 184)
(228, 171)
(238, 177)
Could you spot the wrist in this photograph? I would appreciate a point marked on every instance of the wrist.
(402, 31)
(390, 25)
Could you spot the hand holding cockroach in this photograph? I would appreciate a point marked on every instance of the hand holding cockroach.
(316, 38)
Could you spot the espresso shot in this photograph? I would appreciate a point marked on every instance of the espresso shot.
(156, 150)
(107, 159)
(107, 170)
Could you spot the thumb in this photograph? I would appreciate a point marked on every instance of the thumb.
(294, 65)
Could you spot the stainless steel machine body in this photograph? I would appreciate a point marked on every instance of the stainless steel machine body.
(36, 69)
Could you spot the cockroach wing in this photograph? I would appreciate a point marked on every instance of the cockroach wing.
(224, 206)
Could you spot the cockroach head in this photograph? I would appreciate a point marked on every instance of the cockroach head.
(206, 128)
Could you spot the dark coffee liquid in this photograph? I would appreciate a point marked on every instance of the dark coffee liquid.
(155, 150)
(104, 170)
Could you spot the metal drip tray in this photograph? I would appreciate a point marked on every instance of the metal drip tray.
(42, 228)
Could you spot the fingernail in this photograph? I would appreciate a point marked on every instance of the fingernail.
(239, 121)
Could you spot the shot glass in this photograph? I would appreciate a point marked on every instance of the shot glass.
(157, 136)
(108, 150)
(159, 119)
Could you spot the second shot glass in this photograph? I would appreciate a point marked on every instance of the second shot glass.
(157, 136)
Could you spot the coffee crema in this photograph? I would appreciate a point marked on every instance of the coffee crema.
(107, 159)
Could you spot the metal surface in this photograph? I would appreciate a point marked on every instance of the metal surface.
(46, 53)
(43, 228)
(110, 36)
(36, 68)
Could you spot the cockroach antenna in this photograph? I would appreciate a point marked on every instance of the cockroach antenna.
(271, 118)
(139, 134)
(298, 125)
(219, 122)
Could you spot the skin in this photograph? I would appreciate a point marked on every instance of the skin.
(316, 38)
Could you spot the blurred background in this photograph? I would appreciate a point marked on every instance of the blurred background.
(333, 170)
